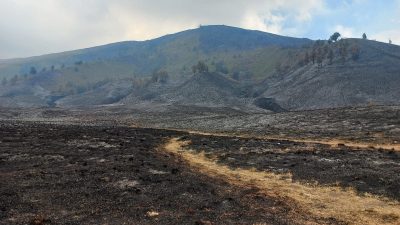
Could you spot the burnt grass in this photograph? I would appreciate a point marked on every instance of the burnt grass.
(374, 171)
(71, 174)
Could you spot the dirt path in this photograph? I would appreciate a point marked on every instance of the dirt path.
(321, 201)
(331, 142)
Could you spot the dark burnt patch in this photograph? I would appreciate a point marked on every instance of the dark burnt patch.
(71, 174)
(373, 171)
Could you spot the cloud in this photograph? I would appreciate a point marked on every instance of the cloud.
(346, 32)
(154, 19)
(32, 27)
(385, 36)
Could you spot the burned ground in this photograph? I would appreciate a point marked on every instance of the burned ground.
(366, 170)
(91, 166)
(70, 174)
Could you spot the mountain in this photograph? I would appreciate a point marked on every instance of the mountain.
(171, 52)
(248, 70)
(107, 93)
(373, 78)
(205, 88)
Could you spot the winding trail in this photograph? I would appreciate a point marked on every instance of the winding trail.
(334, 143)
(321, 201)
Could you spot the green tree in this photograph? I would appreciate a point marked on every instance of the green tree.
(33, 70)
(364, 36)
(163, 77)
(160, 76)
(335, 37)
(201, 67)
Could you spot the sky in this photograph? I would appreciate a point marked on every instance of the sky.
(36, 27)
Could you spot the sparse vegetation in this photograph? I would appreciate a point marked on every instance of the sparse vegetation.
(33, 70)
(200, 67)
(160, 76)
(264, 69)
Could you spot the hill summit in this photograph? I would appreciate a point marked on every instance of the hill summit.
(246, 69)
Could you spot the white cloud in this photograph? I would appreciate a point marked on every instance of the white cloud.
(384, 36)
(30, 27)
(346, 32)
(269, 22)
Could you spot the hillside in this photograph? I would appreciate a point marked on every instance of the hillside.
(175, 53)
(247, 70)
(373, 78)
(206, 89)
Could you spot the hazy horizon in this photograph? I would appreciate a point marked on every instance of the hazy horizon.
(32, 28)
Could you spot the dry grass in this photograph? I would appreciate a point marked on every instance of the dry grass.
(321, 201)
(354, 145)
(331, 142)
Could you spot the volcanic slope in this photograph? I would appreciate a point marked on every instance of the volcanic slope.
(372, 77)
(171, 52)
(208, 89)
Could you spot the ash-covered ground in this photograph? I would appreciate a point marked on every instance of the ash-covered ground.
(368, 171)
(70, 174)
(98, 166)
(373, 124)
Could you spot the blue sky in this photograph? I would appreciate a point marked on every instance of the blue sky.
(379, 19)
(35, 27)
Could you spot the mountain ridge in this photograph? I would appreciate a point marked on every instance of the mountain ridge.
(247, 69)
(157, 39)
